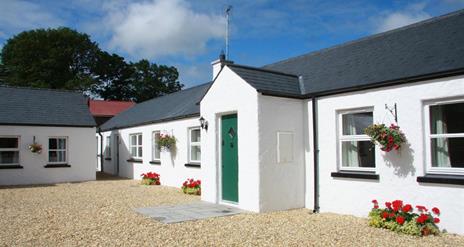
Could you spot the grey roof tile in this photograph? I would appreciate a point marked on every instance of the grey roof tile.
(267, 80)
(176, 105)
(428, 47)
(28, 106)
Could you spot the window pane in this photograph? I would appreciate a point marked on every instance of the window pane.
(355, 123)
(7, 142)
(156, 150)
(9, 157)
(447, 118)
(61, 156)
(52, 143)
(61, 143)
(448, 152)
(195, 153)
(195, 135)
(133, 139)
(140, 139)
(133, 151)
(140, 152)
(52, 156)
(358, 154)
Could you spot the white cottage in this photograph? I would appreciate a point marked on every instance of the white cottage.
(291, 134)
(60, 128)
(130, 138)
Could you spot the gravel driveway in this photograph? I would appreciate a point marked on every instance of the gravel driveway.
(101, 213)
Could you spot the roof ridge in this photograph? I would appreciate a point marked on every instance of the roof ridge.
(43, 89)
(262, 69)
(373, 36)
(174, 93)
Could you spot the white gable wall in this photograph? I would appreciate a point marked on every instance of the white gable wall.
(397, 171)
(82, 155)
(231, 94)
(172, 169)
(282, 184)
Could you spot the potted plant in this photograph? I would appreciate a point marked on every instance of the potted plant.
(388, 138)
(150, 178)
(192, 187)
(400, 217)
(35, 148)
(166, 141)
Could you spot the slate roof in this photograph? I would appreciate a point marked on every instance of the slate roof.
(267, 80)
(173, 106)
(429, 47)
(44, 107)
(108, 108)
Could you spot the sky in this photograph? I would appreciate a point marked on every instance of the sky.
(191, 34)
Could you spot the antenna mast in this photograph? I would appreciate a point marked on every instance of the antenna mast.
(228, 9)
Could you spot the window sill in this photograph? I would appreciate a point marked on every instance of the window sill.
(11, 167)
(360, 175)
(198, 165)
(155, 162)
(107, 158)
(57, 165)
(441, 179)
(135, 160)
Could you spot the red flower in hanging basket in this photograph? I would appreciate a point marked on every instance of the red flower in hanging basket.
(388, 138)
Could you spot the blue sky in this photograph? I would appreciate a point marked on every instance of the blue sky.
(190, 34)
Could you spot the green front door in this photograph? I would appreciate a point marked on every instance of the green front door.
(229, 158)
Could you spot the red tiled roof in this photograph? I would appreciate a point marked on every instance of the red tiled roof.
(108, 108)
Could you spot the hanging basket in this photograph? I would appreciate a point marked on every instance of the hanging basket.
(166, 142)
(35, 148)
(388, 138)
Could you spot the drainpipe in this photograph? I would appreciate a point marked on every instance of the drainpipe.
(101, 149)
(316, 156)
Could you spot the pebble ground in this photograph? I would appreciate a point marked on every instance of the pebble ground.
(100, 213)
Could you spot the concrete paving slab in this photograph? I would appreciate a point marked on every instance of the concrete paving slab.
(187, 212)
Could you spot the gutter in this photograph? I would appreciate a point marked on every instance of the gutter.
(101, 149)
(315, 155)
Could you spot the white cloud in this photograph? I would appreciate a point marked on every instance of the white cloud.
(412, 14)
(16, 16)
(162, 28)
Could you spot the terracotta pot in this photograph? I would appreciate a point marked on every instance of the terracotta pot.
(425, 231)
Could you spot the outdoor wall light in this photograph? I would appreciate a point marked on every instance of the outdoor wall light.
(203, 123)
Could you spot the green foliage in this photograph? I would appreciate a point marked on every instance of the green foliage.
(65, 59)
(166, 141)
(50, 58)
(388, 138)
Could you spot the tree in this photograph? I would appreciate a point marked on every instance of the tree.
(50, 58)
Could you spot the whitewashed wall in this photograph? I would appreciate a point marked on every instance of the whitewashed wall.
(282, 185)
(172, 169)
(81, 156)
(398, 172)
(230, 94)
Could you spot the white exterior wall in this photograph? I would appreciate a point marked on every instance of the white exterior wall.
(231, 94)
(282, 185)
(172, 169)
(398, 172)
(82, 151)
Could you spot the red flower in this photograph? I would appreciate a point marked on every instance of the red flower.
(384, 215)
(436, 220)
(397, 204)
(400, 220)
(388, 205)
(407, 208)
(374, 201)
(422, 218)
(421, 208)
(436, 211)
(376, 206)
(391, 215)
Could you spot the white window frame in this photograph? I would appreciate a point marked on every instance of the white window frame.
(65, 150)
(191, 144)
(428, 136)
(18, 149)
(108, 147)
(137, 145)
(345, 138)
(154, 146)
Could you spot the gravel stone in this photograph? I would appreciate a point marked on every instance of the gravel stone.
(101, 213)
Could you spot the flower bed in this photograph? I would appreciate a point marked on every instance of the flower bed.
(388, 138)
(192, 187)
(150, 178)
(400, 217)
